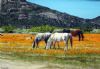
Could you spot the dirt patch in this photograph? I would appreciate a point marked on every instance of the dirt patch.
(13, 64)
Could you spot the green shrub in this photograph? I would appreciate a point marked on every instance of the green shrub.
(18, 30)
(43, 28)
(1, 30)
(95, 31)
(8, 29)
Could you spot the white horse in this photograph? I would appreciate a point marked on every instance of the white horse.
(59, 37)
(39, 37)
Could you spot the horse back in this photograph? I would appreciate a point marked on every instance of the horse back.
(75, 32)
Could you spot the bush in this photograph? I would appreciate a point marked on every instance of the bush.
(18, 30)
(8, 29)
(1, 30)
(43, 28)
(95, 31)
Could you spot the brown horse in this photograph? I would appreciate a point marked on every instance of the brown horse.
(74, 33)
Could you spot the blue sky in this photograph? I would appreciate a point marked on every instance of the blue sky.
(81, 8)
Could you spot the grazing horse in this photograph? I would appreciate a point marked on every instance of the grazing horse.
(57, 37)
(77, 32)
(39, 37)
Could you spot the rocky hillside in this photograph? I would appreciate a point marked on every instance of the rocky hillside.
(25, 15)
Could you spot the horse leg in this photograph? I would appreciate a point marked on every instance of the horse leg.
(37, 42)
(51, 44)
(79, 36)
(71, 41)
(82, 36)
(54, 44)
(37, 45)
(66, 45)
(58, 45)
(33, 44)
(46, 44)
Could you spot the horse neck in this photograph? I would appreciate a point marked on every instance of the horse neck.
(74, 33)
(49, 42)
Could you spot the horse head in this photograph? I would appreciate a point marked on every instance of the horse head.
(66, 31)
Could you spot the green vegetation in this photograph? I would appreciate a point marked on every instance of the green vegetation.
(43, 28)
(97, 31)
(8, 29)
(18, 30)
(11, 29)
(87, 28)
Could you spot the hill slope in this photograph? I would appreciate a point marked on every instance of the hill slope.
(26, 14)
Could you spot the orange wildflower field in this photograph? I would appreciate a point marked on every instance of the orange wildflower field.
(22, 43)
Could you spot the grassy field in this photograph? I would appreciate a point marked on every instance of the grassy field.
(23, 43)
(84, 53)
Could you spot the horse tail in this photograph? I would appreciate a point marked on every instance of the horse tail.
(71, 39)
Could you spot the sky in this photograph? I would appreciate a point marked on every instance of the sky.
(81, 8)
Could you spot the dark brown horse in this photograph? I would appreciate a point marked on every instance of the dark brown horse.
(74, 33)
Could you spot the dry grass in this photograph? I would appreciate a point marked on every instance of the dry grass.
(22, 43)
(84, 54)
